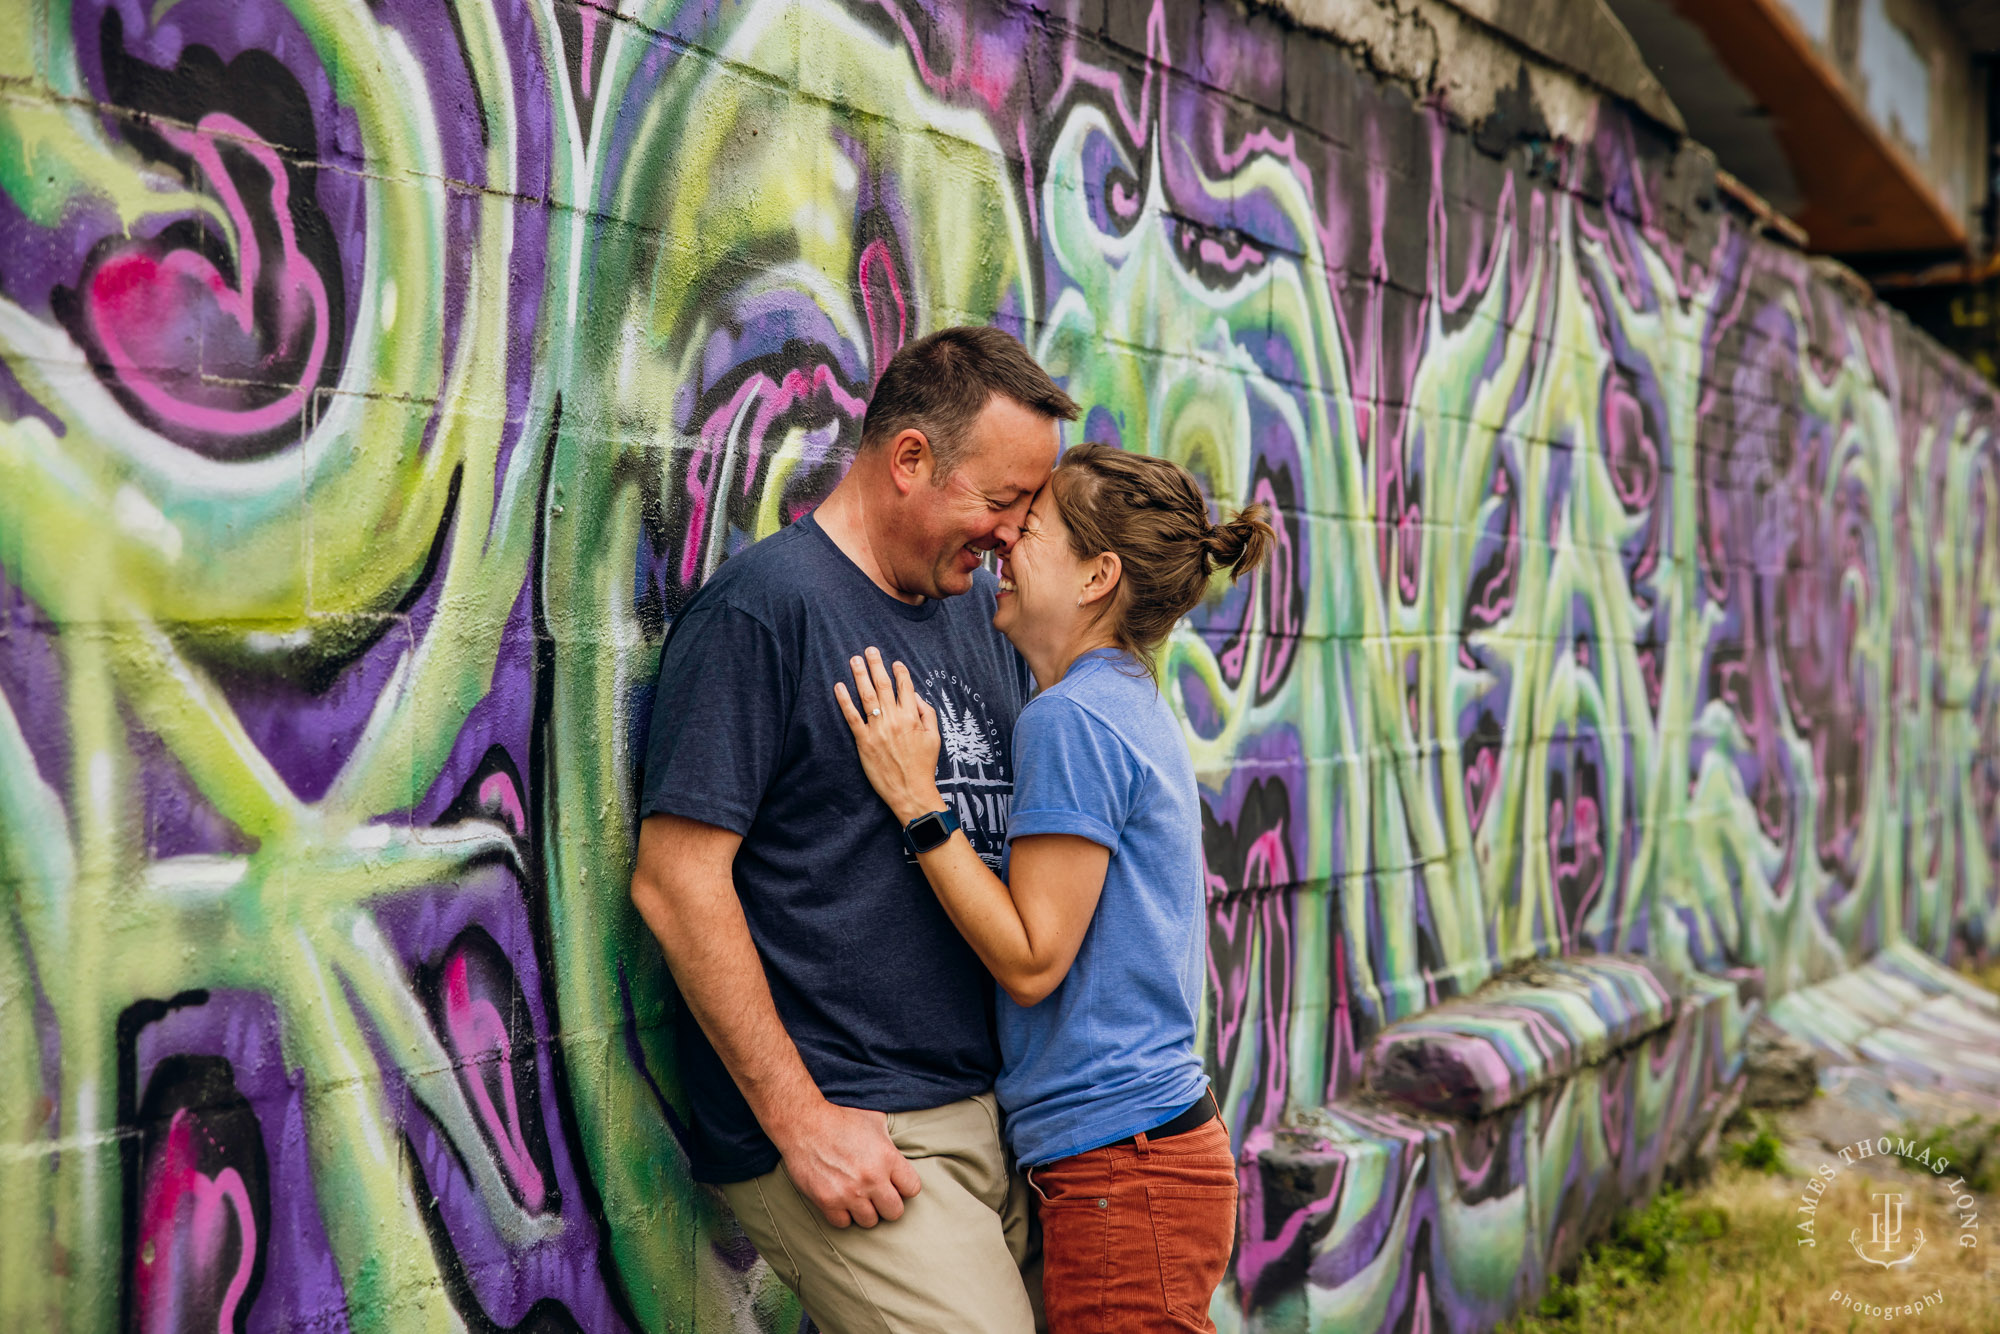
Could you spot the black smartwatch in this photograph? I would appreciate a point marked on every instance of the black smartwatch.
(930, 831)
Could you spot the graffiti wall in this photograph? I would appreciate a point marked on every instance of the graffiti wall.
(376, 382)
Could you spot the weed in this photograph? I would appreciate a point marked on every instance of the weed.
(1973, 1147)
(1762, 1152)
(1644, 1247)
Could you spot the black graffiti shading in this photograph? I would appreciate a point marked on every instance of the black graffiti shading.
(1278, 589)
(1292, 1186)
(198, 1183)
(586, 32)
(1490, 592)
(1251, 883)
(481, 1017)
(1577, 852)
(545, 1316)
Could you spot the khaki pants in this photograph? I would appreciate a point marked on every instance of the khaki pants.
(961, 1258)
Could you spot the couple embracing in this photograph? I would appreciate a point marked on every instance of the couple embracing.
(881, 780)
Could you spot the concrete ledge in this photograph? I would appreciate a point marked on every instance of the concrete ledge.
(1341, 1203)
(1519, 1033)
(1904, 1016)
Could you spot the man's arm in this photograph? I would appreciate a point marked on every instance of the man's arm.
(840, 1158)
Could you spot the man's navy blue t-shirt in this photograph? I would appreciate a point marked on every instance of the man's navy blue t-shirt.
(890, 1008)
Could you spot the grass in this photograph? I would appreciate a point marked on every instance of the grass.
(1973, 1147)
(1761, 1152)
(1725, 1258)
(1646, 1247)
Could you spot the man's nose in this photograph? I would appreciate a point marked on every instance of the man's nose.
(1005, 535)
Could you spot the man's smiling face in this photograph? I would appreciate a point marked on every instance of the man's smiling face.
(1005, 458)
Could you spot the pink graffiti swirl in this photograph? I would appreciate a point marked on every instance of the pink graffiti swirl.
(148, 308)
(477, 1030)
(183, 1231)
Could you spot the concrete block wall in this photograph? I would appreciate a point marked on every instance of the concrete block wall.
(376, 382)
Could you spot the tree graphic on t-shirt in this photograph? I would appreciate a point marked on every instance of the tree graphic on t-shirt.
(965, 741)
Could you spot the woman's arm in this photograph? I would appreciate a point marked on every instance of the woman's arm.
(1027, 929)
(1026, 932)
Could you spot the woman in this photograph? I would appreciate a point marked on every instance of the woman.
(1096, 935)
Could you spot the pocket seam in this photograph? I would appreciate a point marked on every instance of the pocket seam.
(1186, 1311)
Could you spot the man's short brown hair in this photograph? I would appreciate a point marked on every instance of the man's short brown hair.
(939, 383)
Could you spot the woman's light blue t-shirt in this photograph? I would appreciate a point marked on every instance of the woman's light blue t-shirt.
(1110, 1051)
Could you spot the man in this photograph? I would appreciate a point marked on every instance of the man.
(835, 1034)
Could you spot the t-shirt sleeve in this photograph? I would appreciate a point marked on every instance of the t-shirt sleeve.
(1072, 775)
(719, 719)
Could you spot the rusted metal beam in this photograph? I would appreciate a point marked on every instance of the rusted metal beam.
(1760, 209)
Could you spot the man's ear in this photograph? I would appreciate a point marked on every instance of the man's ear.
(910, 460)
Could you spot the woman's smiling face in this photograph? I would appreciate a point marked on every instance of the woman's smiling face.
(1040, 580)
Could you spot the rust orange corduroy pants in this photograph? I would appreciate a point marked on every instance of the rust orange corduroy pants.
(1135, 1238)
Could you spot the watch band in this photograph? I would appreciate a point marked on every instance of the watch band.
(930, 830)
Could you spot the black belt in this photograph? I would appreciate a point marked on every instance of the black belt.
(1191, 1117)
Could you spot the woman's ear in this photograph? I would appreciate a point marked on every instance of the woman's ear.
(1104, 570)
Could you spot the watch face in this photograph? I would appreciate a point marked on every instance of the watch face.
(928, 831)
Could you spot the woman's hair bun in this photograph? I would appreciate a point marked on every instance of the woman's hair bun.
(1241, 544)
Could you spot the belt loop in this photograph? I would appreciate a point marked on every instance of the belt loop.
(1028, 1174)
(1139, 1142)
